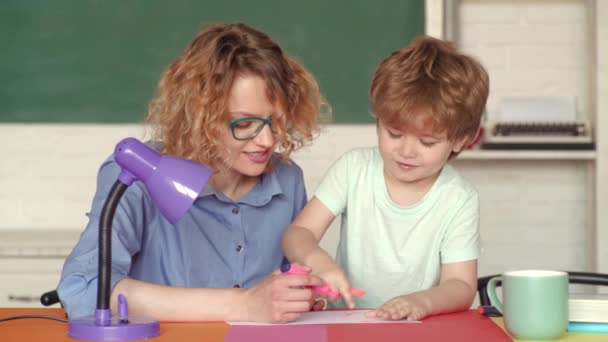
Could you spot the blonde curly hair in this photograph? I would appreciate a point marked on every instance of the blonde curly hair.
(188, 115)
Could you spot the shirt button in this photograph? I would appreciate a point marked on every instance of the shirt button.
(235, 210)
(239, 248)
(237, 285)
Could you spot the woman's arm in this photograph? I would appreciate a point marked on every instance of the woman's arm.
(168, 303)
(277, 298)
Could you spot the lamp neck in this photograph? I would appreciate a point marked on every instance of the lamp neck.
(105, 245)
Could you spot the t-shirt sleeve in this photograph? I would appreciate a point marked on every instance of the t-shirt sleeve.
(333, 189)
(461, 241)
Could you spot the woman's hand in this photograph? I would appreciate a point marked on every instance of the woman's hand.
(280, 298)
(318, 304)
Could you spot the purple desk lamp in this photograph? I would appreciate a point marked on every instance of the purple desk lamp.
(173, 185)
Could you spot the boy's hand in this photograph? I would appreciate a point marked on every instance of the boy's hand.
(334, 277)
(410, 307)
(279, 298)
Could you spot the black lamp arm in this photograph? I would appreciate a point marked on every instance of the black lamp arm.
(105, 245)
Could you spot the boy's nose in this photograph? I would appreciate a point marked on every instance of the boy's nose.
(408, 148)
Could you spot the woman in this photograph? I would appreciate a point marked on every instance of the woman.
(235, 102)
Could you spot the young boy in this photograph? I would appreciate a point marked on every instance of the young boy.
(409, 234)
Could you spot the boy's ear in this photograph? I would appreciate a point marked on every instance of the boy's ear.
(464, 142)
(459, 145)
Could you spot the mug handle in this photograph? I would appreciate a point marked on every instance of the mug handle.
(491, 291)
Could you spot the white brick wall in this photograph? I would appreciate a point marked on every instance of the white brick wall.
(49, 179)
(534, 213)
(601, 82)
(530, 47)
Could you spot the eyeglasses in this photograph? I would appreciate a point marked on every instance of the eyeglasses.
(249, 127)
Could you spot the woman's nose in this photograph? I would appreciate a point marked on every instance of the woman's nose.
(265, 137)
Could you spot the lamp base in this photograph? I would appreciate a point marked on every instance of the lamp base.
(133, 328)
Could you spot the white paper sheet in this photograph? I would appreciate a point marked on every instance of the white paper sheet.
(332, 317)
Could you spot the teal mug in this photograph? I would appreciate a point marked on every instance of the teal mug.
(535, 303)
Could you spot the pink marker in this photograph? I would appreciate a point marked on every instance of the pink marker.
(324, 289)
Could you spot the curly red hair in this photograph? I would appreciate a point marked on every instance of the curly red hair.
(188, 114)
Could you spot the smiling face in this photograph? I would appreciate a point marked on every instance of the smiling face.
(414, 156)
(248, 99)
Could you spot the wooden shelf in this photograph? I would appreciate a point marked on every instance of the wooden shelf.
(478, 154)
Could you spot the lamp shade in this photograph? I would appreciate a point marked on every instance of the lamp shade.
(173, 183)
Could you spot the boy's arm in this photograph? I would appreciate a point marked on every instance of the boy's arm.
(301, 244)
(455, 292)
(301, 240)
(458, 283)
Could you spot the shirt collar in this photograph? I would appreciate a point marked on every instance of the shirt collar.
(261, 193)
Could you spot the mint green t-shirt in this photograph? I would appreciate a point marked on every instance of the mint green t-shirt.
(388, 250)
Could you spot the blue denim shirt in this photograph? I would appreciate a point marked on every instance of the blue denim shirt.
(219, 243)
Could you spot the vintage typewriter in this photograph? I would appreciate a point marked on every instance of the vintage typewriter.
(537, 123)
(563, 135)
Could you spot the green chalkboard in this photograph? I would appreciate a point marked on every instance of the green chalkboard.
(99, 60)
